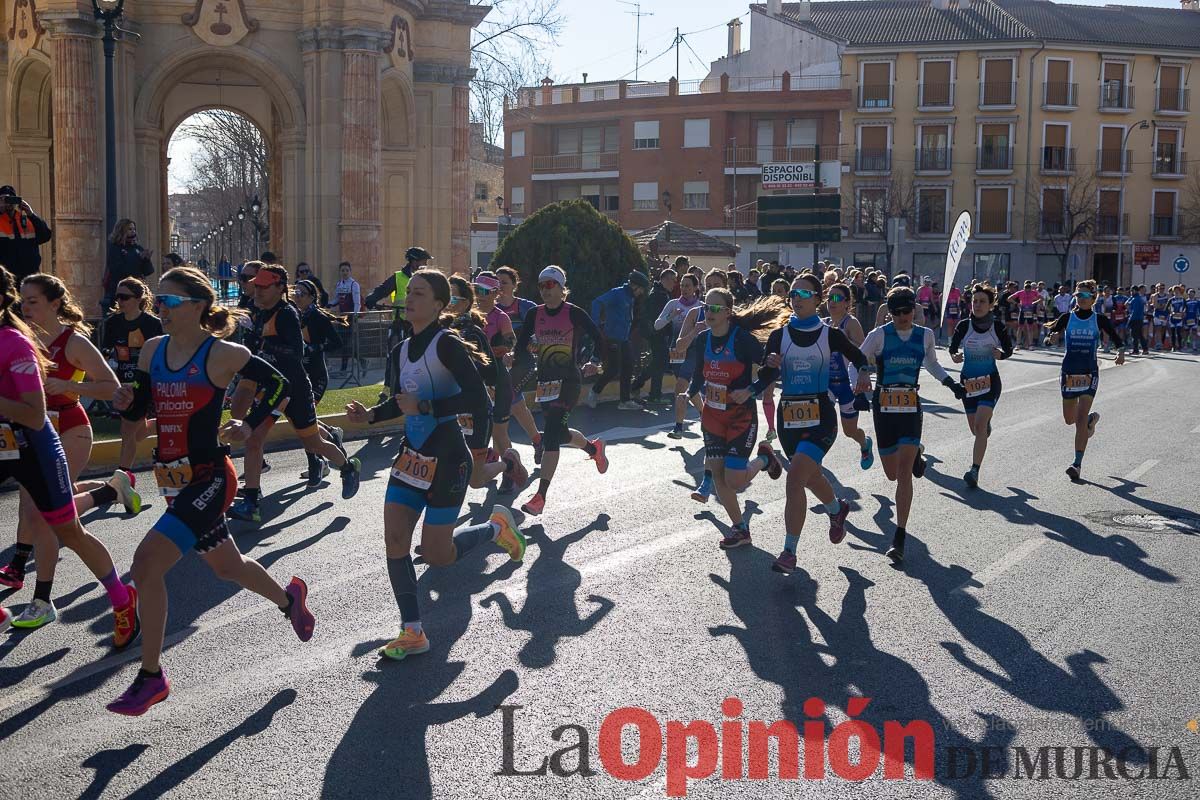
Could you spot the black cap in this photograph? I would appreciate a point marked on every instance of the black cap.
(7, 191)
(417, 254)
(639, 279)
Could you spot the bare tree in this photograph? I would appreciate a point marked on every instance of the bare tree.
(1189, 206)
(1064, 210)
(230, 166)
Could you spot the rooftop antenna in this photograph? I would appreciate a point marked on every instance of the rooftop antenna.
(638, 14)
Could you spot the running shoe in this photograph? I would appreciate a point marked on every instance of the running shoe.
(126, 626)
(660, 401)
(772, 435)
(125, 493)
(837, 522)
(676, 432)
(509, 537)
(1092, 419)
(301, 618)
(971, 479)
(534, 505)
(132, 478)
(339, 437)
(600, 458)
(629, 405)
(145, 691)
(918, 468)
(493, 455)
(266, 467)
(245, 510)
(316, 476)
(351, 478)
(592, 399)
(408, 643)
(506, 485)
(11, 578)
(896, 551)
(867, 454)
(774, 465)
(36, 614)
(537, 451)
(786, 563)
(704, 490)
(516, 476)
(6, 617)
(1073, 472)
(324, 469)
(738, 536)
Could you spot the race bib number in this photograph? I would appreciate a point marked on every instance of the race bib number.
(467, 423)
(801, 413)
(978, 386)
(172, 477)
(415, 469)
(1078, 383)
(898, 401)
(678, 356)
(8, 444)
(716, 396)
(547, 391)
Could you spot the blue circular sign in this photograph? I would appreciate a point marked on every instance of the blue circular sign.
(1182, 264)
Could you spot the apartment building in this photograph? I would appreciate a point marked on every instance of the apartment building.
(1048, 122)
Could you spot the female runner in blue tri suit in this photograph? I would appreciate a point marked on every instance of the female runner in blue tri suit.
(841, 383)
(1080, 368)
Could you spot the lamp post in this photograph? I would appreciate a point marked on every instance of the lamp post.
(229, 236)
(256, 209)
(108, 12)
(241, 215)
(1141, 125)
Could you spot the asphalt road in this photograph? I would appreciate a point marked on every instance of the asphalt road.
(1030, 613)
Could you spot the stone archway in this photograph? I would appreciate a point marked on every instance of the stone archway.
(30, 136)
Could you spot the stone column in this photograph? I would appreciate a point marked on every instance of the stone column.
(77, 102)
(361, 228)
(460, 190)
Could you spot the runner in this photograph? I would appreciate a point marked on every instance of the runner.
(1080, 367)
(498, 329)
(478, 430)
(984, 341)
(673, 315)
(1191, 320)
(1120, 312)
(693, 326)
(954, 299)
(125, 331)
(1160, 303)
(1178, 306)
(32, 455)
(277, 326)
(559, 327)
(321, 331)
(723, 360)
(899, 349)
(1027, 301)
(841, 381)
(192, 468)
(435, 382)
(801, 356)
(517, 308)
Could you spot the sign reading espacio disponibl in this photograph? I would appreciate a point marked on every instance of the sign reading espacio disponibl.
(783, 175)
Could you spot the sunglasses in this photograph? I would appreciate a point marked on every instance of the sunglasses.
(714, 309)
(836, 298)
(482, 291)
(124, 297)
(802, 294)
(456, 300)
(904, 310)
(544, 285)
(1084, 295)
(173, 300)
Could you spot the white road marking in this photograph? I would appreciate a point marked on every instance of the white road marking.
(1142, 469)
(999, 567)
(1196, 429)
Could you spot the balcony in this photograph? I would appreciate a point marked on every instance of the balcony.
(875, 97)
(742, 218)
(1171, 101)
(766, 154)
(533, 97)
(1110, 226)
(1164, 227)
(873, 161)
(933, 159)
(1113, 162)
(997, 95)
(1058, 160)
(577, 162)
(936, 96)
(994, 159)
(1051, 226)
(1116, 97)
(1170, 164)
(992, 223)
(1060, 95)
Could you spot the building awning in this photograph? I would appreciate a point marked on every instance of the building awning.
(675, 239)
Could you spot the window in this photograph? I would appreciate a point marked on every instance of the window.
(645, 196)
(936, 84)
(934, 152)
(802, 140)
(995, 146)
(645, 135)
(481, 191)
(998, 88)
(993, 211)
(566, 141)
(695, 195)
(873, 153)
(517, 204)
(764, 140)
(1108, 216)
(1056, 155)
(1111, 159)
(875, 85)
(695, 133)
(990, 267)
(1171, 95)
(1114, 92)
(517, 146)
(1054, 201)
(1164, 222)
(872, 211)
(1167, 159)
(1059, 91)
(931, 211)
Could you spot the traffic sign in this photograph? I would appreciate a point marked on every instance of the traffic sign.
(1181, 264)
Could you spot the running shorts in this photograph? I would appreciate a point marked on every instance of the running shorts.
(843, 395)
(477, 431)
(433, 477)
(556, 413)
(799, 434)
(895, 429)
(988, 398)
(65, 419)
(195, 517)
(730, 435)
(1080, 385)
(36, 460)
(503, 401)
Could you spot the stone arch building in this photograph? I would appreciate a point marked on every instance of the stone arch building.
(364, 104)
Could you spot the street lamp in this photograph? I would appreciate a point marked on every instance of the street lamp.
(109, 11)
(1141, 125)
(241, 215)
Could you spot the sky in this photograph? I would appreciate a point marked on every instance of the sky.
(613, 55)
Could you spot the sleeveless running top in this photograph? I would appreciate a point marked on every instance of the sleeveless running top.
(723, 373)
(516, 311)
(805, 370)
(556, 344)
(491, 329)
(1082, 339)
(63, 370)
(187, 404)
(978, 358)
(427, 378)
(900, 361)
(1178, 309)
(838, 372)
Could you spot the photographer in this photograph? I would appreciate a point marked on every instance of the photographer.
(21, 234)
(126, 259)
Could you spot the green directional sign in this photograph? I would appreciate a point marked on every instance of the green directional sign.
(796, 219)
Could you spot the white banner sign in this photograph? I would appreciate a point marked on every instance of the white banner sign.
(789, 176)
(954, 254)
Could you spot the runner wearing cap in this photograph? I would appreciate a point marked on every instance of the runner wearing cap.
(559, 328)
(498, 330)
(516, 308)
(613, 312)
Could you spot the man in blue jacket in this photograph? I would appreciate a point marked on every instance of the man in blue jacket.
(1137, 321)
(613, 312)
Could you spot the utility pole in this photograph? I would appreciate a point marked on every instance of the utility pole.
(638, 14)
(678, 39)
